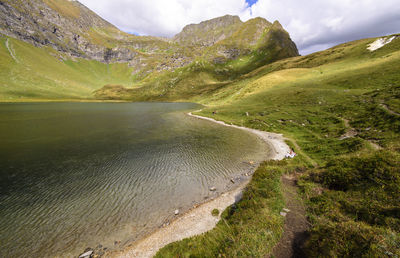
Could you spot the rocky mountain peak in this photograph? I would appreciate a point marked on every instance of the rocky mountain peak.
(209, 32)
(277, 24)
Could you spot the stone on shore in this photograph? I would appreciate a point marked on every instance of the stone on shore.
(88, 254)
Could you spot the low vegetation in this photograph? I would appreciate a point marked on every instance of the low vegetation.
(249, 228)
(354, 206)
(215, 212)
(339, 109)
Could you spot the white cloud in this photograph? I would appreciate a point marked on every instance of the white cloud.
(162, 17)
(316, 24)
(312, 24)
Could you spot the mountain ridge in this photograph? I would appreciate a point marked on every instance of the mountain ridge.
(76, 32)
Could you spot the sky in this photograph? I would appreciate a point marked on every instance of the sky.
(313, 25)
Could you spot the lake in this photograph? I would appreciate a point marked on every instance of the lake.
(76, 175)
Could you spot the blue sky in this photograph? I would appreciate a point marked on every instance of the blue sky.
(251, 2)
(312, 24)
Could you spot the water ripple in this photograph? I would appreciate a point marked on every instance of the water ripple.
(125, 172)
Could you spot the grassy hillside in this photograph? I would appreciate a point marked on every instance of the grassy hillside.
(340, 111)
(28, 72)
(205, 76)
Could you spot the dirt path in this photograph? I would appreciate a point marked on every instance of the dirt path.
(351, 132)
(300, 151)
(296, 224)
(9, 48)
(385, 107)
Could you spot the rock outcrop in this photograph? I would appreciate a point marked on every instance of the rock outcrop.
(67, 26)
(207, 33)
(227, 38)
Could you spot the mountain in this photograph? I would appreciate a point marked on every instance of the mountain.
(72, 34)
(228, 37)
(71, 28)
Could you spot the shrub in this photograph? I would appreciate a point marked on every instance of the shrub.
(215, 212)
(351, 239)
(380, 169)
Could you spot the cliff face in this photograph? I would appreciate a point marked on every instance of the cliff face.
(65, 25)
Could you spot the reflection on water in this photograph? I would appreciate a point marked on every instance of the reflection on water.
(74, 175)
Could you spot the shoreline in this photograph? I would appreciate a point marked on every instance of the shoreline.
(199, 219)
(276, 141)
(32, 101)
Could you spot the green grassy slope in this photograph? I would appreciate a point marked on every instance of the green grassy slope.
(41, 73)
(28, 72)
(254, 43)
(340, 111)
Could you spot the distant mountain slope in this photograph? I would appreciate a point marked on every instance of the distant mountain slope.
(257, 38)
(32, 73)
(226, 38)
(77, 32)
(205, 82)
(235, 49)
(228, 46)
